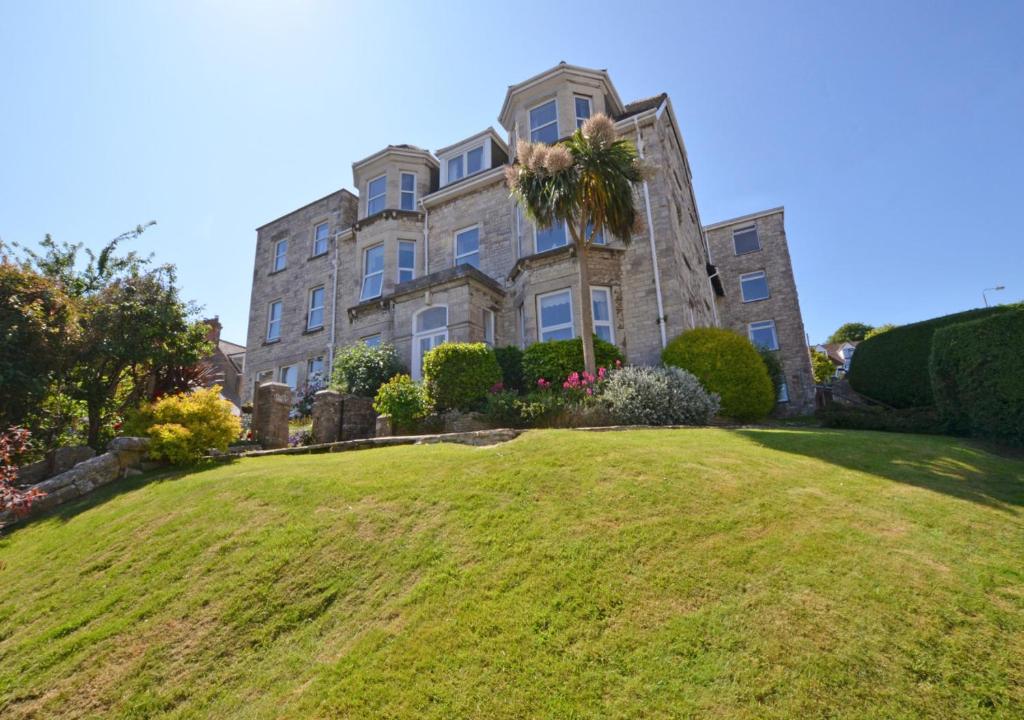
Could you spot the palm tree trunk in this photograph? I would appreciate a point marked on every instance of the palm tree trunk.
(586, 310)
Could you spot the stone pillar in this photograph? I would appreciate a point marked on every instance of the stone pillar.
(358, 418)
(327, 409)
(270, 414)
(383, 426)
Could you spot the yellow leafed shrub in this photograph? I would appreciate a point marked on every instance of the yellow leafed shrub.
(182, 428)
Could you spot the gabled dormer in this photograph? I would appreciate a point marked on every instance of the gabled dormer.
(395, 178)
(483, 151)
(551, 105)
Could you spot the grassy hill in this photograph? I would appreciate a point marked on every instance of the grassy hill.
(655, 574)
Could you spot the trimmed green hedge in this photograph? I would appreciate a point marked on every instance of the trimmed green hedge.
(458, 376)
(912, 420)
(726, 363)
(510, 359)
(893, 367)
(555, 360)
(977, 378)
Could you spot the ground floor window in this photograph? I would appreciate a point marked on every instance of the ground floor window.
(763, 334)
(489, 327)
(783, 392)
(430, 329)
(289, 375)
(601, 298)
(554, 316)
(371, 340)
(314, 367)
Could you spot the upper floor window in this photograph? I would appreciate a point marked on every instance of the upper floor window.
(274, 320)
(598, 238)
(465, 164)
(408, 200)
(315, 316)
(763, 334)
(373, 273)
(281, 255)
(489, 327)
(550, 238)
(467, 247)
(320, 239)
(582, 110)
(406, 260)
(745, 241)
(544, 123)
(601, 298)
(554, 315)
(475, 160)
(376, 191)
(455, 169)
(754, 286)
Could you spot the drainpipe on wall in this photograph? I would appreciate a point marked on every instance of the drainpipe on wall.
(654, 250)
(426, 240)
(334, 308)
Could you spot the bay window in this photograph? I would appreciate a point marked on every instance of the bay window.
(554, 316)
(373, 273)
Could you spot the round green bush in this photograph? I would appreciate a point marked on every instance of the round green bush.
(555, 360)
(658, 396)
(458, 376)
(727, 364)
(510, 358)
(360, 369)
(403, 400)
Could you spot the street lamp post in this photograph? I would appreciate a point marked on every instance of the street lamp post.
(991, 289)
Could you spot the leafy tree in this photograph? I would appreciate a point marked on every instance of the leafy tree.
(879, 330)
(822, 367)
(850, 332)
(13, 445)
(587, 182)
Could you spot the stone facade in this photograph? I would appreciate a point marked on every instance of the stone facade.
(419, 215)
(746, 247)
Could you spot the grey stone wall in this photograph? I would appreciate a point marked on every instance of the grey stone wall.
(782, 305)
(270, 415)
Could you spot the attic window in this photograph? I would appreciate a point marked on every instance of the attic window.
(466, 163)
(746, 241)
(582, 110)
(544, 123)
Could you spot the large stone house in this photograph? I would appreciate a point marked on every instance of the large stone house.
(432, 249)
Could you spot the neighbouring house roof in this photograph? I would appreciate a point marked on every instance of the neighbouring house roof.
(229, 348)
(835, 350)
(638, 106)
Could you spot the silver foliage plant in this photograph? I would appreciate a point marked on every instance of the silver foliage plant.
(658, 396)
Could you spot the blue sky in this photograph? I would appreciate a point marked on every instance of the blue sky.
(892, 132)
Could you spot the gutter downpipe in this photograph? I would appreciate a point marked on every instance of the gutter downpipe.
(426, 240)
(650, 235)
(334, 307)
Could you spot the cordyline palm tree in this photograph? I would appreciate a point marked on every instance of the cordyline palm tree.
(586, 182)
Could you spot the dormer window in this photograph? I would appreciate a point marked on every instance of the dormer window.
(375, 195)
(408, 191)
(455, 169)
(582, 110)
(544, 123)
(466, 163)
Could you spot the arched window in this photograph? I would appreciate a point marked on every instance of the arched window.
(429, 329)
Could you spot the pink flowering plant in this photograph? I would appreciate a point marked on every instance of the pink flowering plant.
(583, 386)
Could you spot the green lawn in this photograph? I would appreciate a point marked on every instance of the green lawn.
(656, 574)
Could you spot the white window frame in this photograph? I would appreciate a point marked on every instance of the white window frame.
(433, 334)
(565, 229)
(541, 127)
(398, 259)
(310, 308)
(271, 320)
(367, 338)
(761, 325)
(541, 329)
(590, 109)
(403, 192)
(521, 322)
(366, 275)
(327, 238)
(455, 245)
(757, 237)
(752, 275)
(310, 372)
(610, 322)
(489, 327)
(280, 255)
(281, 375)
(783, 396)
(383, 195)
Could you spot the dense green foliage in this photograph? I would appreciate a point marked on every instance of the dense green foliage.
(555, 360)
(774, 367)
(361, 370)
(658, 396)
(879, 330)
(909, 420)
(510, 359)
(892, 368)
(183, 428)
(696, 573)
(727, 364)
(403, 400)
(821, 367)
(850, 332)
(977, 377)
(458, 376)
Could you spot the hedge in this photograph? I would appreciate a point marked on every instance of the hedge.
(726, 363)
(458, 376)
(976, 377)
(892, 368)
(911, 420)
(555, 360)
(510, 359)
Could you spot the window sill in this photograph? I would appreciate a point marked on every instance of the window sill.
(271, 342)
(317, 256)
(747, 302)
(748, 252)
(277, 272)
(313, 331)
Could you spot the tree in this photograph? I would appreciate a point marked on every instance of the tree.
(587, 182)
(850, 332)
(879, 330)
(822, 367)
(13, 445)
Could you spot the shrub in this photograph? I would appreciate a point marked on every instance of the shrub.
(821, 367)
(504, 409)
(361, 370)
(510, 360)
(727, 364)
(403, 400)
(555, 360)
(893, 367)
(910, 420)
(186, 426)
(658, 396)
(976, 377)
(458, 376)
(774, 368)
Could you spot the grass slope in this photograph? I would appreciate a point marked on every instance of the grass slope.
(656, 574)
